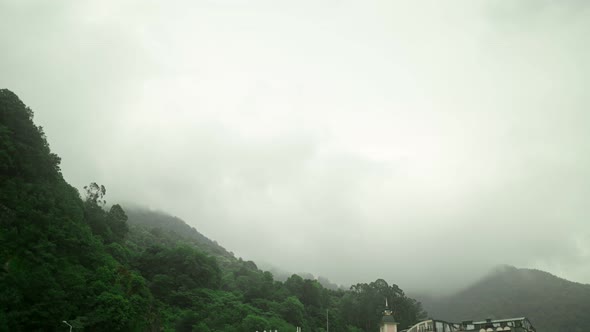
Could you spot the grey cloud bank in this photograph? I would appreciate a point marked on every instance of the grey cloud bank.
(418, 142)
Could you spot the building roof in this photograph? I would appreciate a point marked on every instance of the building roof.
(388, 319)
(500, 320)
(515, 324)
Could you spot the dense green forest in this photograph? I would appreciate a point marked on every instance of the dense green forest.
(553, 304)
(75, 258)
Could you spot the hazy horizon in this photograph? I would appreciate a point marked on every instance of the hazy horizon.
(418, 142)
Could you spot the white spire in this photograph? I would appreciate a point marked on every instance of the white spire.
(387, 311)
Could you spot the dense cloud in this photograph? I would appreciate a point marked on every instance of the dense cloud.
(421, 143)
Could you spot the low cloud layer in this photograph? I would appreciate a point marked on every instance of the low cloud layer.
(419, 143)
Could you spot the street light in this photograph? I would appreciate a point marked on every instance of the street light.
(68, 324)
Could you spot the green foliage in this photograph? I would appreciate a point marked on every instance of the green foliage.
(49, 255)
(174, 272)
(175, 230)
(116, 219)
(254, 323)
(65, 258)
(110, 226)
(292, 310)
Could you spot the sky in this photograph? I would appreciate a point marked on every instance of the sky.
(422, 142)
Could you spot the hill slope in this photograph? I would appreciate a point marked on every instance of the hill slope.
(553, 304)
(160, 220)
(54, 267)
(68, 258)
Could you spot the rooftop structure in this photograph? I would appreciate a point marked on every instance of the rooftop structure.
(521, 324)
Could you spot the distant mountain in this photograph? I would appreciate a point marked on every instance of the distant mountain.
(552, 304)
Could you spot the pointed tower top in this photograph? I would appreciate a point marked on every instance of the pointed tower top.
(387, 311)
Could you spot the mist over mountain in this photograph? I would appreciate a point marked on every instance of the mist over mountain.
(105, 267)
(552, 303)
(155, 219)
(295, 158)
(337, 131)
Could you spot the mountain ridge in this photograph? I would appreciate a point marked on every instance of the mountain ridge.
(552, 303)
(501, 276)
(68, 258)
(155, 218)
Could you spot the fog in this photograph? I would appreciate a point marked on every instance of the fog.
(422, 142)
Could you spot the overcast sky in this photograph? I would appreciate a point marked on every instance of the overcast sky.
(422, 142)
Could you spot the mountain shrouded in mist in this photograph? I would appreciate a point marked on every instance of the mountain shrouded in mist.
(313, 125)
(553, 304)
(69, 260)
(232, 165)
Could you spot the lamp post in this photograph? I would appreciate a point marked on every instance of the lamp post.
(68, 324)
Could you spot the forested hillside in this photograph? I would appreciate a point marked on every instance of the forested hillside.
(163, 222)
(151, 219)
(77, 259)
(553, 304)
